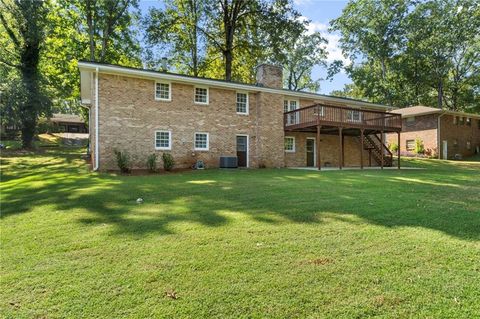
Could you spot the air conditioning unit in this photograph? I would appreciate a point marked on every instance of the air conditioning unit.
(228, 162)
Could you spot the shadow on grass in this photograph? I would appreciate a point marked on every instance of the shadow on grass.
(443, 198)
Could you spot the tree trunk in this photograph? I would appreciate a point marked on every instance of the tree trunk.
(440, 94)
(91, 29)
(228, 52)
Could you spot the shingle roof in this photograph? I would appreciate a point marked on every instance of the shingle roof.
(425, 110)
(66, 118)
(416, 110)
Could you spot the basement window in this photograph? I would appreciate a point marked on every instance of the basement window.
(163, 140)
(289, 144)
(410, 145)
(201, 141)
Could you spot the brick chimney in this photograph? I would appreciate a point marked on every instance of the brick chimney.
(269, 75)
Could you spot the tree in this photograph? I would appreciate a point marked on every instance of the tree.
(302, 55)
(176, 28)
(24, 24)
(108, 24)
(372, 37)
(414, 52)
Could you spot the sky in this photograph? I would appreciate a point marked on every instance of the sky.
(320, 12)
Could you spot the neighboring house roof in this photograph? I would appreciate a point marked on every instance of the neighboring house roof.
(86, 67)
(66, 118)
(425, 110)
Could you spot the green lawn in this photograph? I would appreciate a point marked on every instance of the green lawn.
(273, 243)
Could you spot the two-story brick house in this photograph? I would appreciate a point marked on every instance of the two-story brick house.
(446, 134)
(143, 112)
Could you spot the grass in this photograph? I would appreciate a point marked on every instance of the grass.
(267, 243)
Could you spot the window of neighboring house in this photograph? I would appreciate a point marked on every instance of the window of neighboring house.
(163, 140)
(162, 91)
(462, 120)
(469, 145)
(242, 103)
(410, 121)
(469, 121)
(201, 95)
(289, 144)
(201, 141)
(455, 142)
(410, 145)
(354, 116)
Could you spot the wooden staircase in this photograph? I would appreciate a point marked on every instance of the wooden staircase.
(376, 149)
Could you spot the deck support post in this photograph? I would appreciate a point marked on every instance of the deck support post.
(361, 148)
(398, 149)
(319, 162)
(340, 135)
(381, 150)
(343, 150)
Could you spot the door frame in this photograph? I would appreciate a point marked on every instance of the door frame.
(248, 147)
(314, 150)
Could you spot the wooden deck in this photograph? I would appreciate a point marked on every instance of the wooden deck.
(334, 116)
(342, 121)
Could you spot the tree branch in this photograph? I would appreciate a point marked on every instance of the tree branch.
(10, 32)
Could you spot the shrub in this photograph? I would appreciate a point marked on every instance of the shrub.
(431, 152)
(152, 162)
(168, 161)
(123, 161)
(393, 147)
(419, 148)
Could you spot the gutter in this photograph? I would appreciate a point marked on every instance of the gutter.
(95, 168)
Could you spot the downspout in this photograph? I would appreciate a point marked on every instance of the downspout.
(439, 140)
(95, 168)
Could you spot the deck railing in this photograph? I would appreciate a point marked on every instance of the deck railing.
(341, 116)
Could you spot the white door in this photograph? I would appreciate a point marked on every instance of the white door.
(445, 149)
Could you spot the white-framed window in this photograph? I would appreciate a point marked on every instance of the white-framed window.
(354, 116)
(201, 95)
(291, 105)
(469, 145)
(289, 144)
(410, 145)
(163, 91)
(163, 140)
(242, 102)
(201, 141)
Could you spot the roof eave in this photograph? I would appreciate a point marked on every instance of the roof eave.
(109, 69)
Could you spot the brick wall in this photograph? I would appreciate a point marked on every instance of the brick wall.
(457, 136)
(329, 148)
(424, 128)
(129, 116)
